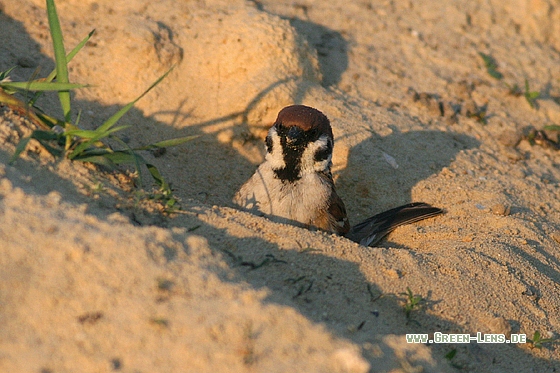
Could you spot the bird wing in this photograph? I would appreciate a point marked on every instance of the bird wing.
(373, 229)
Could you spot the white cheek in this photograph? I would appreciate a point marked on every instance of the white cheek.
(275, 158)
(308, 162)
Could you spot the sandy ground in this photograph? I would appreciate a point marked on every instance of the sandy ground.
(93, 278)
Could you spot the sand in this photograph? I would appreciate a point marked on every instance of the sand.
(96, 278)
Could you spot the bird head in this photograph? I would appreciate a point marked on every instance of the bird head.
(299, 142)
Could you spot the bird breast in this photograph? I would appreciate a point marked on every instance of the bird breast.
(300, 201)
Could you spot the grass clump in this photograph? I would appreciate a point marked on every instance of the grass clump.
(537, 341)
(412, 302)
(492, 70)
(491, 66)
(531, 96)
(61, 137)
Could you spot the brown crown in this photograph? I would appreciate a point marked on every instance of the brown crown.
(304, 117)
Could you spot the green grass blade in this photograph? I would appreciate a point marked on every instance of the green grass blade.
(76, 152)
(92, 136)
(96, 134)
(552, 127)
(115, 157)
(41, 86)
(55, 152)
(94, 151)
(19, 149)
(49, 121)
(118, 115)
(43, 137)
(125, 157)
(4, 74)
(72, 54)
(60, 57)
(98, 160)
(156, 175)
(78, 118)
(168, 143)
(69, 57)
(13, 102)
(491, 66)
(10, 100)
(136, 157)
(114, 129)
(531, 96)
(84, 134)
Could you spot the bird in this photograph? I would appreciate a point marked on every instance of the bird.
(294, 184)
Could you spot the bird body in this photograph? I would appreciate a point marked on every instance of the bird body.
(294, 184)
(301, 201)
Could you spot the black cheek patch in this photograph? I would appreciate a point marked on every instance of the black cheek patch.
(323, 153)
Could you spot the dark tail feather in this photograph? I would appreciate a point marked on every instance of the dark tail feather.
(372, 230)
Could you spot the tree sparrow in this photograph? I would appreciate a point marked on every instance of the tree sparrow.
(294, 184)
